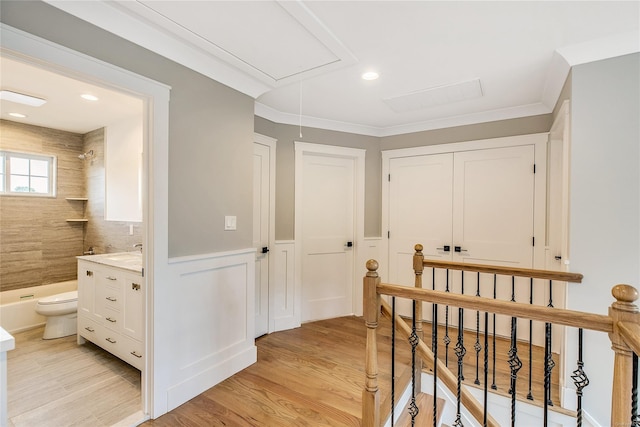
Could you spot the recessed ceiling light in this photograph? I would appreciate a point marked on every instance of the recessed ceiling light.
(21, 98)
(89, 97)
(18, 115)
(370, 75)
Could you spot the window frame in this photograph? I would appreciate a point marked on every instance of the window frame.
(5, 173)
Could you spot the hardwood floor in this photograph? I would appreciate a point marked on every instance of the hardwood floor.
(57, 383)
(314, 376)
(309, 376)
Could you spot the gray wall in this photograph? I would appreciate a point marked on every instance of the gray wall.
(285, 171)
(605, 202)
(497, 129)
(210, 125)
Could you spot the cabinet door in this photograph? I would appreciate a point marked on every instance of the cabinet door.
(133, 313)
(86, 290)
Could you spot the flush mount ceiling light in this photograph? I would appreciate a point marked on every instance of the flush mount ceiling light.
(370, 75)
(20, 98)
(89, 97)
(18, 115)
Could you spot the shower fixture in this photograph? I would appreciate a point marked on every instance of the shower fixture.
(87, 156)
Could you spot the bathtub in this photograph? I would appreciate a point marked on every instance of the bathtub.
(18, 306)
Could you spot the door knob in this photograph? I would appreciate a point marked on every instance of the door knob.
(459, 249)
(349, 244)
(445, 248)
(265, 249)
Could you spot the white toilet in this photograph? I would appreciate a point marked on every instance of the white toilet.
(61, 311)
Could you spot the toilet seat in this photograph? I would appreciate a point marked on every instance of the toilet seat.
(59, 298)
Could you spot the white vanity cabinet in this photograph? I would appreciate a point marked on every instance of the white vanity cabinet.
(111, 308)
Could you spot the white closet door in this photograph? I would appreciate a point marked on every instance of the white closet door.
(420, 211)
(493, 213)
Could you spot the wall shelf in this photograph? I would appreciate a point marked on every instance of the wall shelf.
(82, 199)
(77, 220)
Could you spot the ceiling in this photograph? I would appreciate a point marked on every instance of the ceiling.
(441, 64)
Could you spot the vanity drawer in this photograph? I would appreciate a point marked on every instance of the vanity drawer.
(132, 352)
(89, 329)
(112, 319)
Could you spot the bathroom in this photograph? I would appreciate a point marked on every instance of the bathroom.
(41, 236)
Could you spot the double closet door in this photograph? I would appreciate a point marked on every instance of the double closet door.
(473, 206)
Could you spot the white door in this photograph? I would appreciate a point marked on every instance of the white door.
(261, 217)
(469, 206)
(327, 215)
(421, 190)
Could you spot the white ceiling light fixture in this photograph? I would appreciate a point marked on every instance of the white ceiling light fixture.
(21, 98)
(89, 97)
(18, 115)
(370, 75)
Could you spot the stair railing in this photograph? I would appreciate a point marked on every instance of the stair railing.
(622, 324)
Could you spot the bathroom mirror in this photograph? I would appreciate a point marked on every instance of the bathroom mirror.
(123, 170)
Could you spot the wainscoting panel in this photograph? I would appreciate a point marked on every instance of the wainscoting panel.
(212, 314)
(285, 295)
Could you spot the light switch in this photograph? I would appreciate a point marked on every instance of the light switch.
(229, 222)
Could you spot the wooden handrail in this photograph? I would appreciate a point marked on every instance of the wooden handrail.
(507, 271)
(557, 316)
(445, 375)
(630, 333)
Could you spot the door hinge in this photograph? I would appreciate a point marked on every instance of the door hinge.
(534, 168)
(389, 177)
(142, 271)
(388, 234)
(533, 241)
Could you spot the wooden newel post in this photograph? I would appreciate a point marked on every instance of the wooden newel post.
(623, 310)
(418, 268)
(371, 310)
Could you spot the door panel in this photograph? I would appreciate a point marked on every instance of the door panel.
(261, 199)
(328, 224)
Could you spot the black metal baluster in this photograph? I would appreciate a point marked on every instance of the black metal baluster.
(461, 321)
(547, 371)
(460, 352)
(580, 380)
(635, 419)
(434, 348)
(514, 361)
(413, 340)
(549, 363)
(514, 364)
(486, 367)
(477, 345)
(393, 359)
(493, 384)
(446, 338)
(530, 395)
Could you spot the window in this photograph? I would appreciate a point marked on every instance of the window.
(27, 174)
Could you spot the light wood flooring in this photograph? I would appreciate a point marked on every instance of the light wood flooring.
(57, 383)
(314, 376)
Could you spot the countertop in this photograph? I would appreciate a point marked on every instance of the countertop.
(7, 342)
(131, 261)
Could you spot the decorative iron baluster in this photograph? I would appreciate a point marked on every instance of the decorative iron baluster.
(530, 395)
(393, 359)
(434, 348)
(413, 340)
(477, 347)
(493, 383)
(549, 363)
(580, 380)
(461, 321)
(486, 367)
(635, 419)
(514, 364)
(460, 352)
(446, 338)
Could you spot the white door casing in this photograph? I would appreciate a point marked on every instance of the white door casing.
(263, 229)
(329, 213)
